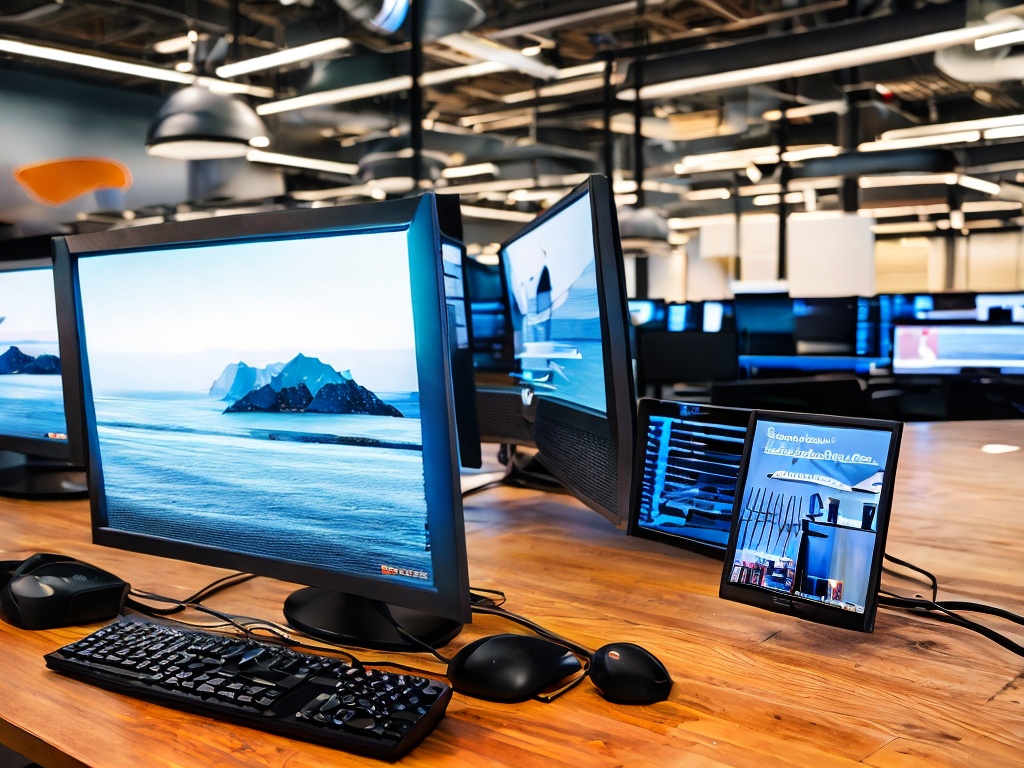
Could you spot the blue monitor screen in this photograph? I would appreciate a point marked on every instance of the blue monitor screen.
(247, 407)
(556, 316)
(676, 317)
(688, 459)
(31, 396)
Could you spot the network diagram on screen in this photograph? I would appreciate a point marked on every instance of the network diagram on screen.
(808, 521)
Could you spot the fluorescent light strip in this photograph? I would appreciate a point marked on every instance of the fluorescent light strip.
(962, 137)
(828, 62)
(488, 50)
(379, 88)
(906, 227)
(715, 193)
(997, 41)
(309, 163)
(723, 161)
(558, 89)
(905, 180)
(1008, 132)
(496, 214)
(984, 124)
(978, 185)
(809, 153)
(286, 56)
(467, 171)
(126, 68)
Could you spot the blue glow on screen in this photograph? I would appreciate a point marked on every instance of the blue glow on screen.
(247, 394)
(556, 316)
(31, 395)
(809, 516)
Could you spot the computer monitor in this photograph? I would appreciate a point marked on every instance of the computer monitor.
(958, 348)
(460, 326)
(765, 323)
(272, 393)
(1000, 307)
(684, 479)
(831, 325)
(34, 451)
(564, 273)
(811, 515)
(677, 318)
(648, 314)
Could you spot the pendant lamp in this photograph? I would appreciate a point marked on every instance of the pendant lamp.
(196, 123)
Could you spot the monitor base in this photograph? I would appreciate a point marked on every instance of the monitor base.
(34, 477)
(348, 619)
(524, 469)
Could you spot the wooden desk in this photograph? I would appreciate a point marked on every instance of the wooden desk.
(752, 687)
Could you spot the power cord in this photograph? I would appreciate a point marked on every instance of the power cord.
(946, 610)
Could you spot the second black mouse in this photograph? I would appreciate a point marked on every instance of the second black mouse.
(629, 674)
(510, 667)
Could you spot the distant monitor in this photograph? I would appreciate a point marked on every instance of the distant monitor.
(765, 323)
(989, 304)
(460, 327)
(956, 348)
(810, 517)
(272, 393)
(676, 317)
(488, 308)
(713, 316)
(831, 326)
(564, 273)
(647, 313)
(684, 480)
(34, 451)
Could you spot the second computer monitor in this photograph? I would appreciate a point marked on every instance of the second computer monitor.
(564, 275)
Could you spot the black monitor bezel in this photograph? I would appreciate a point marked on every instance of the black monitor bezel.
(795, 606)
(618, 422)
(648, 407)
(17, 255)
(450, 596)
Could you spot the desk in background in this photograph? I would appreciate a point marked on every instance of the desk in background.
(751, 687)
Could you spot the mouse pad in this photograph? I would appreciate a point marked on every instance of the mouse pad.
(811, 515)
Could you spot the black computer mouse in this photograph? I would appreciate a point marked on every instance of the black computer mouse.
(510, 667)
(628, 674)
(48, 591)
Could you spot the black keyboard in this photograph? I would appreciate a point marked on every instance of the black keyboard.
(262, 685)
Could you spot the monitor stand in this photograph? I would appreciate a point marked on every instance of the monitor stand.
(348, 619)
(34, 477)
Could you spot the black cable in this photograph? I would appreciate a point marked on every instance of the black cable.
(575, 647)
(947, 613)
(928, 575)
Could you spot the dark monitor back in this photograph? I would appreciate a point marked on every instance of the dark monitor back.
(826, 325)
(460, 338)
(665, 357)
(765, 323)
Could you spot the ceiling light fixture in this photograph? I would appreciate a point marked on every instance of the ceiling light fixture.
(997, 41)
(127, 68)
(836, 107)
(488, 50)
(960, 137)
(380, 87)
(1009, 132)
(197, 124)
(284, 57)
(468, 171)
(495, 214)
(830, 62)
(736, 159)
(978, 185)
(308, 163)
(941, 129)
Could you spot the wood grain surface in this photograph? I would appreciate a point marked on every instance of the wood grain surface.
(752, 688)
